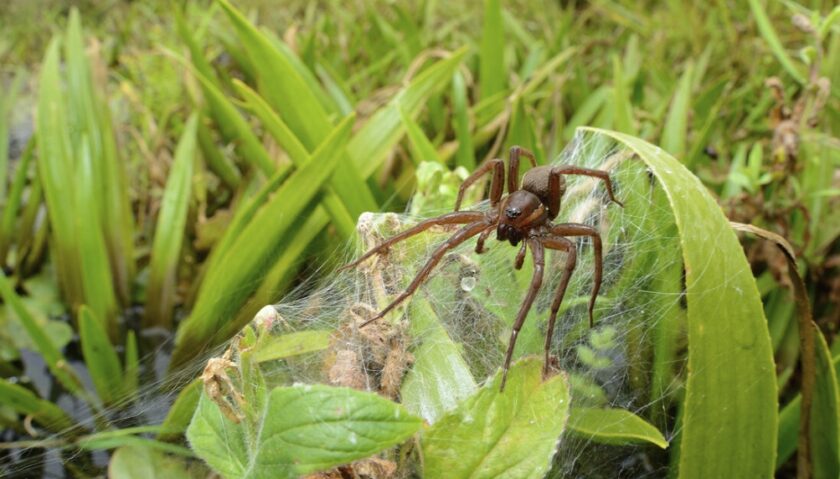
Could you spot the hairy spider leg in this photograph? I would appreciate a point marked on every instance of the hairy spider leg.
(538, 254)
(460, 217)
(513, 166)
(462, 235)
(573, 229)
(497, 184)
(577, 170)
(560, 244)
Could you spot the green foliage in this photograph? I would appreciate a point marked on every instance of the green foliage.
(511, 434)
(303, 429)
(194, 164)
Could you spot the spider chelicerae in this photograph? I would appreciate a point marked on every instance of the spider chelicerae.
(524, 216)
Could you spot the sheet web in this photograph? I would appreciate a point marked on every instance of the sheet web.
(439, 346)
(446, 340)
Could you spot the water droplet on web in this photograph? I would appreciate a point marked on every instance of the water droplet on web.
(468, 283)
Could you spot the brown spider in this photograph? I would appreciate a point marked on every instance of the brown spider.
(528, 211)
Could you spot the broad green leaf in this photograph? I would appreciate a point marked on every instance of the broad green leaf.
(142, 462)
(24, 401)
(303, 429)
(492, 73)
(512, 434)
(292, 344)
(729, 413)
(676, 123)
(235, 276)
(101, 359)
(170, 231)
(58, 365)
(613, 426)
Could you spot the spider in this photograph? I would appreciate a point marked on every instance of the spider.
(524, 216)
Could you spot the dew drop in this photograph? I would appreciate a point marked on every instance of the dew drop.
(468, 283)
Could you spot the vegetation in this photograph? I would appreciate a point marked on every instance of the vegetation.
(170, 171)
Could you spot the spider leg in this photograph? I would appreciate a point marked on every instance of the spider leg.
(577, 170)
(497, 184)
(460, 217)
(573, 229)
(561, 244)
(538, 253)
(479, 245)
(462, 235)
(520, 256)
(513, 166)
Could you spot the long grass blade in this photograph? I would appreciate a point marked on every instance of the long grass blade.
(170, 231)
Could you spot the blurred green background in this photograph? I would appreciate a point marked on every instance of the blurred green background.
(169, 170)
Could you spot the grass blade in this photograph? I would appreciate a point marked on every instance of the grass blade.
(234, 277)
(465, 156)
(101, 359)
(23, 401)
(676, 124)
(769, 34)
(170, 231)
(492, 73)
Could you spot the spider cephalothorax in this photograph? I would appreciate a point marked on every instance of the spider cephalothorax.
(523, 216)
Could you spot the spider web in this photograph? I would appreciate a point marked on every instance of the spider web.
(632, 359)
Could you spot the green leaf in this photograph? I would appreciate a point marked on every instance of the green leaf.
(613, 426)
(181, 412)
(421, 148)
(465, 155)
(293, 97)
(170, 231)
(825, 417)
(292, 344)
(511, 434)
(676, 123)
(303, 429)
(772, 39)
(233, 278)
(56, 362)
(234, 127)
(492, 72)
(26, 402)
(142, 462)
(299, 155)
(371, 144)
(729, 413)
(101, 359)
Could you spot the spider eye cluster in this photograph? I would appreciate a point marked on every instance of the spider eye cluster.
(512, 212)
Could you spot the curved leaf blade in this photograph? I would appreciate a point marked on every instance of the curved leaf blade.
(730, 412)
(614, 426)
